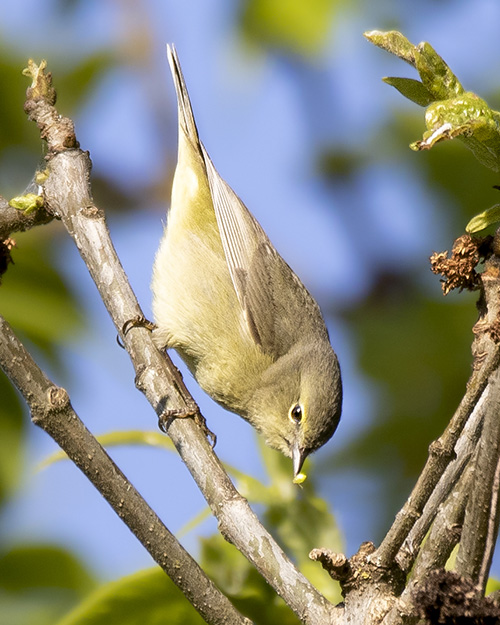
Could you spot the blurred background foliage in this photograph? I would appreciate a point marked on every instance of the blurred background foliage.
(405, 349)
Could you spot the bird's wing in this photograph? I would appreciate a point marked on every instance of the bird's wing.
(239, 231)
(242, 236)
(277, 307)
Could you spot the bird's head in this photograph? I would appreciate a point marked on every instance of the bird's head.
(298, 402)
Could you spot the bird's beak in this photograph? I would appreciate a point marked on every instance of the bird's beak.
(298, 457)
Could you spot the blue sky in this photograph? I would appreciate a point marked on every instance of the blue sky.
(261, 128)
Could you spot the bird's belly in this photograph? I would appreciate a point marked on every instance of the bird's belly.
(198, 314)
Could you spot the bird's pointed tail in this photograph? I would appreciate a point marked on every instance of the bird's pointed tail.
(186, 117)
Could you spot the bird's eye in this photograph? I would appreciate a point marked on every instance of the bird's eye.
(296, 413)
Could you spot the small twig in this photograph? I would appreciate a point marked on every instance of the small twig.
(14, 220)
(444, 535)
(52, 411)
(481, 516)
(486, 351)
(492, 531)
(445, 531)
(370, 592)
(464, 448)
(441, 452)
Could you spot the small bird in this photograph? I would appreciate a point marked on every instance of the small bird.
(242, 321)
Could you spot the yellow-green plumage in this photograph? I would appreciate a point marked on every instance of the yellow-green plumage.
(245, 325)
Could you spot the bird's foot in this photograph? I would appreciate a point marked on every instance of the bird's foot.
(167, 416)
(137, 322)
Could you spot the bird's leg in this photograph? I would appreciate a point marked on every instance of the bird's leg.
(191, 409)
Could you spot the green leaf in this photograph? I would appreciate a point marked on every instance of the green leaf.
(27, 203)
(145, 597)
(120, 438)
(11, 426)
(436, 76)
(412, 89)
(34, 298)
(451, 112)
(469, 118)
(293, 25)
(40, 583)
(484, 219)
(394, 42)
(42, 566)
(242, 584)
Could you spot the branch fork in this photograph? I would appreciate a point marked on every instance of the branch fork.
(443, 504)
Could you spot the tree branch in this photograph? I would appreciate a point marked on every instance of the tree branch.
(481, 522)
(491, 531)
(481, 516)
(464, 448)
(441, 452)
(444, 535)
(14, 220)
(52, 411)
(67, 195)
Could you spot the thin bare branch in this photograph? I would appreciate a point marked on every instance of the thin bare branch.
(445, 531)
(14, 220)
(481, 523)
(464, 448)
(441, 453)
(492, 531)
(52, 411)
(443, 537)
(481, 517)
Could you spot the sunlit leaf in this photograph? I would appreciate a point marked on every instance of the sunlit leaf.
(119, 438)
(11, 427)
(27, 203)
(452, 112)
(34, 298)
(40, 583)
(293, 25)
(42, 566)
(435, 74)
(412, 89)
(246, 589)
(484, 220)
(394, 42)
(145, 597)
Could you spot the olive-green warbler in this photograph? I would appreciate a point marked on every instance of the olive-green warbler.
(225, 300)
